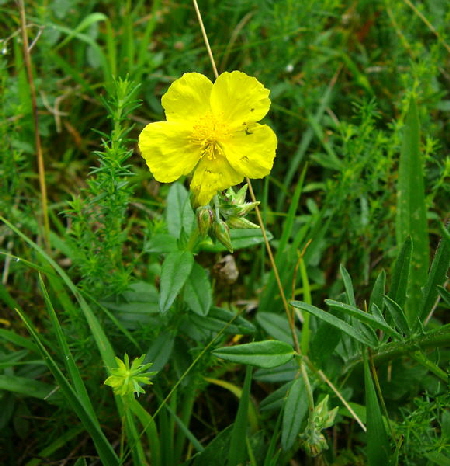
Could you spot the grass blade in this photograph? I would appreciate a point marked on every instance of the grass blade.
(238, 450)
(411, 210)
(91, 424)
(377, 439)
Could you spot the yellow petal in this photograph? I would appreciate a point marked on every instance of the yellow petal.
(239, 98)
(212, 176)
(167, 149)
(187, 98)
(251, 150)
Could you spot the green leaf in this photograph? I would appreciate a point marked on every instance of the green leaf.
(400, 275)
(445, 294)
(438, 458)
(397, 315)
(267, 353)
(71, 366)
(411, 210)
(436, 277)
(198, 292)
(348, 286)
(219, 319)
(276, 325)
(180, 216)
(377, 439)
(377, 295)
(335, 321)
(294, 412)
(91, 424)
(175, 271)
(238, 451)
(366, 318)
(161, 243)
(276, 398)
(17, 340)
(29, 387)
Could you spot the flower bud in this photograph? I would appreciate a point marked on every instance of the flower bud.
(240, 223)
(221, 231)
(205, 219)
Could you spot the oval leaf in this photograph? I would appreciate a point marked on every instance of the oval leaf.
(176, 269)
(267, 353)
(198, 293)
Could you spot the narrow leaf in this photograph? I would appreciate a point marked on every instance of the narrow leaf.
(238, 451)
(267, 353)
(335, 321)
(294, 411)
(401, 274)
(348, 286)
(175, 271)
(364, 317)
(397, 315)
(378, 292)
(411, 210)
(377, 439)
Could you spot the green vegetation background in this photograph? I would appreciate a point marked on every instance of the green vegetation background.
(342, 77)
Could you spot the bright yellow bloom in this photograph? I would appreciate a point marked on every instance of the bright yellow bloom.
(211, 129)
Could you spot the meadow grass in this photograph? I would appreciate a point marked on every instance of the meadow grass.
(330, 347)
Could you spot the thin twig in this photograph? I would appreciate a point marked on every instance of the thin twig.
(37, 138)
(428, 24)
(338, 394)
(205, 38)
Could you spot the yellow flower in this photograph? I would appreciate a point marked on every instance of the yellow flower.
(212, 130)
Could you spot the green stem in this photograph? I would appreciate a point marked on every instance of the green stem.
(306, 315)
(437, 371)
(389, 351)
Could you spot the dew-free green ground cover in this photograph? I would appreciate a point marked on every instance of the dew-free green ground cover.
(329, 348)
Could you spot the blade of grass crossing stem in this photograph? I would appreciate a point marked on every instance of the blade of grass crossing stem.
(377, 439)
(411, 210)
(238, 450)
(69, 362)
(90, 422)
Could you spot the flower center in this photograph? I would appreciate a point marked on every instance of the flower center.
(209, 134)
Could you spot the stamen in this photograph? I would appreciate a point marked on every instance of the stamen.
(209, 134)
